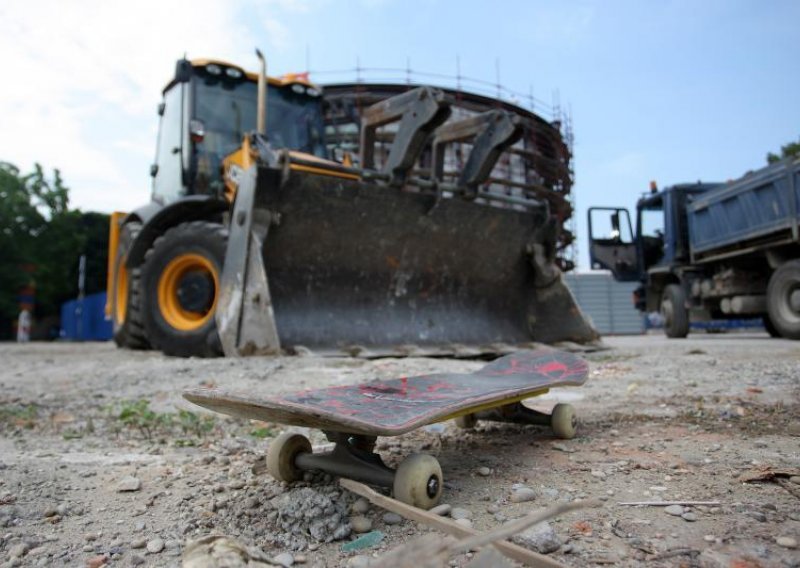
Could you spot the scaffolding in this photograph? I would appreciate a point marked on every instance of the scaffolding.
(538, 167)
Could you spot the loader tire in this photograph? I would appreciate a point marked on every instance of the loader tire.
(673, 308)
(180, 280)
(126, 294)
(783, 299)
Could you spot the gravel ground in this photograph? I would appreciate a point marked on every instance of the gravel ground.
(102, 461)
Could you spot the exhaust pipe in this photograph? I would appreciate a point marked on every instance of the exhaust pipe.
(261, 116)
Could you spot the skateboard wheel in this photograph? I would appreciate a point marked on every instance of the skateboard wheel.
(563, 421)
(282, 453)
(466, 422)
(418, 481)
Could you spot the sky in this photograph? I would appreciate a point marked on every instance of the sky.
(672, 91)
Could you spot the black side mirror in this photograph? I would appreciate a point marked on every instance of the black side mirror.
(183, 71)
(153, 170)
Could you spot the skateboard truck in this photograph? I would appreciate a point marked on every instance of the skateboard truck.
(351, 457)
(417, 481)
(562, 421)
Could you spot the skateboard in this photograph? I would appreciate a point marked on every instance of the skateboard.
(353, 416)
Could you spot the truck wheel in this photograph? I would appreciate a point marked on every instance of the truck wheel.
(180, 282)
(673, 308)
(125, 291)
(783, 299)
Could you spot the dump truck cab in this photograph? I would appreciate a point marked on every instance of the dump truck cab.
(208, 107)
(657, 253)
(660, 242)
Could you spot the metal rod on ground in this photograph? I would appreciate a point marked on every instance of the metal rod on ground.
(668, 503)
(513, 551)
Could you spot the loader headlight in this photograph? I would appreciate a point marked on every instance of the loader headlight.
(299, 89)
(233, 72)
(312, 92)
(213, 69)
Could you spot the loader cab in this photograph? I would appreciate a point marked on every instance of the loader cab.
(208, 108)
(661, 239)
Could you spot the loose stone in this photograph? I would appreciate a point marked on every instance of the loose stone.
(129, 483)
(542, 538)
(392, 519)
(361, 506)
(522, 495)
(361, 524)
(284, 559)
(155, 546)
(786, 542)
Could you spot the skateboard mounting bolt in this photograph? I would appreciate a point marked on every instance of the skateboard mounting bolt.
(433, 486)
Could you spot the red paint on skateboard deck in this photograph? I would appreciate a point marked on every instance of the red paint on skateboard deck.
(396, 406)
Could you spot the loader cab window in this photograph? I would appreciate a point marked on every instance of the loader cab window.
(168, 183)
(651, 231)
(227, 108)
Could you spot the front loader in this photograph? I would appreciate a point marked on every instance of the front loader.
(377, 220)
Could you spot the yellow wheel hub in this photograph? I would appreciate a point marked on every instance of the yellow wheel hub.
(173, 277)
(121, 293)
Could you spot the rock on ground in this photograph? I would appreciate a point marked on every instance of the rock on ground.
(542, 538)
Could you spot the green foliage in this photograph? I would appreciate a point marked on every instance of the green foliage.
(72, 434)
(41, 240)
(194, 424)
(138, 416)
(262, 433)
(20, 416)
(792, 149)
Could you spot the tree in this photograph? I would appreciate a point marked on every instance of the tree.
(791, 149)
(41, 240)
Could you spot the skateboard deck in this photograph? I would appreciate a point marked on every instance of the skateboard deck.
(396, 406)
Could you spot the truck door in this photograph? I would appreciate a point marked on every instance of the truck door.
(611, 244)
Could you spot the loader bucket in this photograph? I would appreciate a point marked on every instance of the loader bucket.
(366, 268)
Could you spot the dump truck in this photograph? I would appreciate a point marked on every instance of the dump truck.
(358, 218)
(706, 252)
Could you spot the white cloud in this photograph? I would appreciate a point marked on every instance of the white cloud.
(83, 80)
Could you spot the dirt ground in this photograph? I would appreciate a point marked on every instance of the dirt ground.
(102, 461)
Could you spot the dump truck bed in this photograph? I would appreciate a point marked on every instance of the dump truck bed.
(755, 211)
